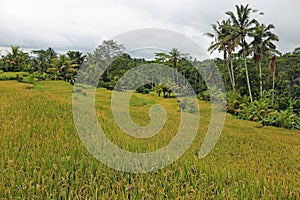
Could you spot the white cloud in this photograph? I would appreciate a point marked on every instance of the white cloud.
(82, 25)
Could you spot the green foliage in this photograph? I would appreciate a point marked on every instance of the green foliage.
(41, 76)
(235, 102)
(256, 111)
(264, 71)
(143, 90)
(165, 90)
(138, 101)
(262, 111)
(286, 119)
(188, 105)
(31, 79)
(15, 61)
(158, 89)
(13, 75)
(204, 96)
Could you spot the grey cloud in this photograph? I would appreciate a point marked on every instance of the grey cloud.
(82, 24)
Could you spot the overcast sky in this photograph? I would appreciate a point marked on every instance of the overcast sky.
(83, 24)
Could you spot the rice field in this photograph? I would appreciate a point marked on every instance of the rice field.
(42, 156)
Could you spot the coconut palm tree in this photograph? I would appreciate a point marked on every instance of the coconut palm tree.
(262, 46)
(76, 57)
(243, 24)
(175, 56)
(63, 68)
(296, 50)
(16, 59)
(224, 43)
(43, 59)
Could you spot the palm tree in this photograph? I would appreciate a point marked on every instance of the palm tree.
(76, 57)
(43, 59)
(63, 68)
(171, 59)
(296, 50)
(242, 26)
(262, 46)
(175, 55)
(223, 42)
(16, 59)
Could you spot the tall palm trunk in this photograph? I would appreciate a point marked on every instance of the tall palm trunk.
(229, 71)
(176, 74)
(177, 80)
(232, 74)
(273, 85)
(260, 79)
(247, 76)
(226, 63)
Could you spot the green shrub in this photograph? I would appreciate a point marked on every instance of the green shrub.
(205, 96)
(262, 111)
(31, 79)
(188, 105)
(41, 76)
(13, 75)
(143, 90)
(235, 102)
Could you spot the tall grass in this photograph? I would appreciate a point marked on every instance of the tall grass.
(42, 156)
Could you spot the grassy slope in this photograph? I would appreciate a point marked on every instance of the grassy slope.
(43, 157)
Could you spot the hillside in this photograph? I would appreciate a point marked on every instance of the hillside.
(42, 156)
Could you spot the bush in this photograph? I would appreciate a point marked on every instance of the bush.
(262, 111)
(31, 79)
(143, 90)
(235, 102)
(205, 96)
(188, 105)
(285, 119)
(41, 76)
(13, 75)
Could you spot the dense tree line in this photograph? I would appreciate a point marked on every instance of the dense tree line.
(261, 84)
(43, 64)
(271, 92)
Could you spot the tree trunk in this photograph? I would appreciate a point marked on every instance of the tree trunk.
(260, 79)
(177, 80)
(152, 82)
(228, 68)
(247, 76)
(160, 77)
(273, 87)
(232, 74)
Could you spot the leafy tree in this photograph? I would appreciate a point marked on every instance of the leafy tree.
(173, 59)
(98, 61)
